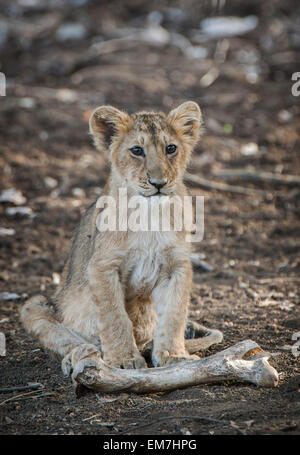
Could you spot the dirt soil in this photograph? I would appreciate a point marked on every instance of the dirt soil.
(243, 85)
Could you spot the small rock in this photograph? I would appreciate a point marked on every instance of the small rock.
(155, 35)
(27, 103)
(12, 211)
(66, 95)
(50, 182)
(43, 135)
(221, 27)
(196, 257)
(12, 195)
(5, 231)
(9, 296)
(252, 73)
(196, 52)
(249, 149)
(284, 116)
(202, 265)
(56, 278)
(78, 192)
(71, 31)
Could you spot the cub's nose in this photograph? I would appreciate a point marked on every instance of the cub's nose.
(158, 185)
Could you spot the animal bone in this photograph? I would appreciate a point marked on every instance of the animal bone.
(245, 361)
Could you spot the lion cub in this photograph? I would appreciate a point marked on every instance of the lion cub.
(121, 289)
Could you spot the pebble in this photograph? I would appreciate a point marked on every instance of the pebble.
(196, 257)
(9, 296)
(71, 31)
(56, 278)
(43, 135)
(12, 211)
(284, 116)
(78, 192)
(249, 149)
(221, 27)
(12, 195)
(50, 182)
(7, 231)
(27, 103)
(66, 95)
(155, 35)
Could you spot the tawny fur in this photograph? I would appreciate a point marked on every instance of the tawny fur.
(119, 290)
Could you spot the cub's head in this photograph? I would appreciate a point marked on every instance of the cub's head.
(149, 151)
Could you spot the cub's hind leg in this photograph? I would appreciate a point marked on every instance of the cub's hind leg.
(39, 321)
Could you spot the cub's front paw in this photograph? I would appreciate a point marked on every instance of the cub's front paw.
(77, 354)
(180, 358)
(164, 358)
(132, 363)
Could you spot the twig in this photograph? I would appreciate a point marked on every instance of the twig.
(17, 397)
(203, 419)
(20, 388)
(38, 395)
(113, 45)
(207, 184)
(255, 176)
(92, 417)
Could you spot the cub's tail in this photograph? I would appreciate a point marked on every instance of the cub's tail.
(197, 337)
(39, 321)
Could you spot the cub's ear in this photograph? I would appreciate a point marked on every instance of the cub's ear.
(186, 120)
(107, 122)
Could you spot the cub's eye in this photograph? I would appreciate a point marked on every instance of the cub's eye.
(170, 149)
(137, 151)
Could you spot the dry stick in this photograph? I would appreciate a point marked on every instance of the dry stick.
(209, 185)
(276, 278)
(17, 396)
(204, 419)
(24, 396)
(20, 388)
(39, 395)
(92, 417)
(113, 45)
(255, 176)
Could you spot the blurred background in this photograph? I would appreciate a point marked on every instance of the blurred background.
(63, 58)
(230, 56)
